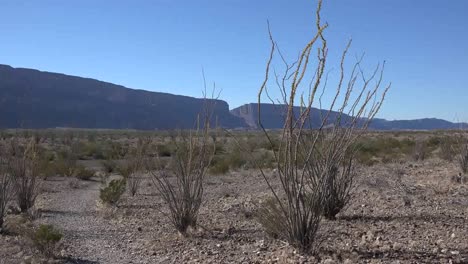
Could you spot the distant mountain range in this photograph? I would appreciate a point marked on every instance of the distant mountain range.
(272, 117)
(34, 99)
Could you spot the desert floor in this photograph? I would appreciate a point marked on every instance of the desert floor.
(422, 218)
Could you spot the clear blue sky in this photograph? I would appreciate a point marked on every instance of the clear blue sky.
(161, 45)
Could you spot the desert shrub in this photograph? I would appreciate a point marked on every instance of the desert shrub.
(131, 169)
(22, 166)
(92, 150)
(219, 166)
(83, 173)
(366, 158)
(133, 183)
(447, 149)
(382, 149)
(189, 164)
(400, 185)
(66, 163)
(130, 173)
(273, 145)
(164, 150)
(6, 190)
(272, 218)
(46, 239)
(112, 192)
(339, 182)
(305, 157)
(115, 150)
(463, 158)
(109, 166)
(420, 151)
(264, 159)
(74, 183)
(220, 149)
(236, 159)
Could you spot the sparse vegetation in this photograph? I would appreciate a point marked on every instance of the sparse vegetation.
(22, 166)
(420, 151)
(46, 239)
(83, 173)
(463, 158)
(134, 166)
(190, 163)
(6, 190)
(447, 149)
(112, 192)
(308, 162)
(272, 219)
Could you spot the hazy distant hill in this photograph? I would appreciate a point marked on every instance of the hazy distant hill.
(272, 117)
(35, 99)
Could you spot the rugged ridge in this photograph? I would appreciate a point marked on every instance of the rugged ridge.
(272, 117)
(34, 99)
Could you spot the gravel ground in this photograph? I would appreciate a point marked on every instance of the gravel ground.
(378, 227)
(89, 237)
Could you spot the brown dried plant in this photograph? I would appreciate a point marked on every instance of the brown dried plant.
(315, 157)
(22, 165)
(181, 184)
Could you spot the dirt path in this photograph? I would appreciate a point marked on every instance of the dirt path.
(88, 237)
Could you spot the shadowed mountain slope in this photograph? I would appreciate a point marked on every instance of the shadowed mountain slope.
(35, 99)
(272, 117)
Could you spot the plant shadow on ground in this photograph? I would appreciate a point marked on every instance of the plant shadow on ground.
(410, 255)
(403, 254)
(51, 213)
(71, 260)
(400, 218)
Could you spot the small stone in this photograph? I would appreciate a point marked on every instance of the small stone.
(455, 252)
(329, 261)
(453, 235)
(397, 246)
(385, 248)
(27, 259)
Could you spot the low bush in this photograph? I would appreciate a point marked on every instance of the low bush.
(82, 173)
(219, 166)
(22, 166)
(420, 151)
(337, 191)
(447, 149)
(272, 218)
(46, 239)
(164, 150)
(382, 149)
(109, 166)
(112, 192)
(463, 158)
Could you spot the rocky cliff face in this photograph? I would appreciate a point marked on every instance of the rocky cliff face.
(35, 99)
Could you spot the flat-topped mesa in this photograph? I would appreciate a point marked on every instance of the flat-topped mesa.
(35, 99)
